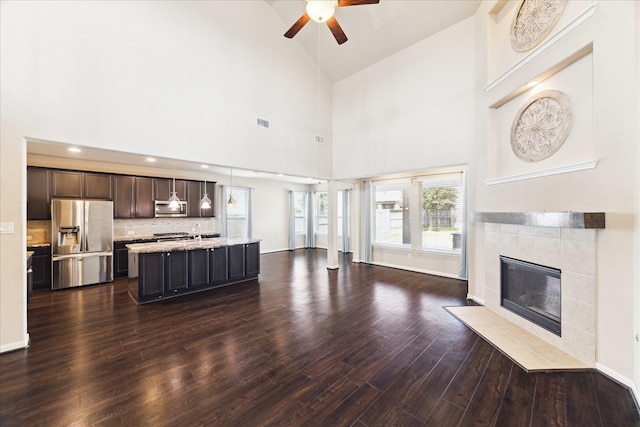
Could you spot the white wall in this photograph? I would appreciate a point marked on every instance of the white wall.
(409, 113)
(612, 126)
(181, 80)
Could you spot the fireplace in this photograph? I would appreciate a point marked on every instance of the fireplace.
(532, 291)
(565, 241)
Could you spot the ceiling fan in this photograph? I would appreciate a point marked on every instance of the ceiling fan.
(322, 11)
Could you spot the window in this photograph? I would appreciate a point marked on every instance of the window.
(300, 212)
(441, 211)
(238, 212)
(322, 212)
(392, 222)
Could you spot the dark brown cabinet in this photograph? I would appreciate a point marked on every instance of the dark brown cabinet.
(66, 183)
(211, 191)
(236, 262)
(41, 265)
(194, 195)
(152, 275)
(133, 196)
(97, 186)
(120, 259)
(123, 196)
(144, 197)
(163, 187)
(218, 264)
(38, 194)
(179, 272)
(176, 265)
(251, 259)
(198, 268)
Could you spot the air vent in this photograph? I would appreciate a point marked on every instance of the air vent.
(263, 123)
(319, 139)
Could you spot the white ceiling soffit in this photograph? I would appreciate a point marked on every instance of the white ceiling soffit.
(135, 161)
(374, 31)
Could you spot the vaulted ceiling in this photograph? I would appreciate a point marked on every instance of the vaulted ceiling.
(374, 31)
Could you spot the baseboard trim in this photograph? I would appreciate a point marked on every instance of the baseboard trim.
(16, 345)
(418, 270)
(475, 299)
(622, 380)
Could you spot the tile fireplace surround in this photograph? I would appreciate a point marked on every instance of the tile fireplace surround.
(566, 241)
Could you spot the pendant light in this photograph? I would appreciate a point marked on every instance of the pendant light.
(174, 201)
(205, 203)
(231, 202)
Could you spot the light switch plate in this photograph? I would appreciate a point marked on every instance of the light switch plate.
(6, 228)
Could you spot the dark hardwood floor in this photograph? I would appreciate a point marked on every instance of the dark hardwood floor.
(363, 346)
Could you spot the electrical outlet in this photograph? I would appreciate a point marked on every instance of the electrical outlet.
(130, 233)
(409, 255)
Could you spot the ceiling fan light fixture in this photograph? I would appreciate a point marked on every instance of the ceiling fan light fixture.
(321, 10)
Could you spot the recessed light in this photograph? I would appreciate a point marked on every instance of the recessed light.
(532, 83)
(204, 166)
(74, 150)
(150, 159)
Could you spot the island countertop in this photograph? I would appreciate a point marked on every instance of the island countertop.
(187, 245)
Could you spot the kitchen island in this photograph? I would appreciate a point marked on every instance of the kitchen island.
(161, 270)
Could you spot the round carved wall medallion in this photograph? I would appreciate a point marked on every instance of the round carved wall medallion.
(533, 21)
(541, 126)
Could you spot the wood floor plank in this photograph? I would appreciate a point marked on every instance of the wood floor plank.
(362, 345)
(549, 405)
(517, 403)
(464, 383)
(485, 405)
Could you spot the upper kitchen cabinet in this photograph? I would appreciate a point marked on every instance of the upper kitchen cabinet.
(163, 187)
(123, 196)
(195, 192)
(66, 183)
(211, 191)
(144, 197)
(97, 186)
(194, 195)
(38, 194)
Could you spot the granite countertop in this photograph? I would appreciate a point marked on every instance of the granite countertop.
(37, 245)
(152, 237)
(187, 245)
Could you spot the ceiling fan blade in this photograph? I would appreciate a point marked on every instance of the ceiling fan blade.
(297, 26)
(336, 30)
(343, 3)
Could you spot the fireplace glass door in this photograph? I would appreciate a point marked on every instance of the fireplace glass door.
(532, 291)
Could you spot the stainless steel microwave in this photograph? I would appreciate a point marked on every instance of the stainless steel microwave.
(162, 209)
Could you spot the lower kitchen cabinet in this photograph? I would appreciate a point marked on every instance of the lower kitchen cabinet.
(251, 259)
(236, 261)
(120, 259)
(198, 268)
(176, 274)
(152, 275)
(218, 271)
(167, 274)
(41, 265)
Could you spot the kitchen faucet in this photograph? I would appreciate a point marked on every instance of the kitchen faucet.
(199, 231)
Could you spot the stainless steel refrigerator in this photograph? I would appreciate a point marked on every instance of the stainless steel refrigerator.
(81, 242)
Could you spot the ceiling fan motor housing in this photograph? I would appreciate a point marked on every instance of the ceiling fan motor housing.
(321, 10)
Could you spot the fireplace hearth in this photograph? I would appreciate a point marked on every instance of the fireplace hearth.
(532, 291)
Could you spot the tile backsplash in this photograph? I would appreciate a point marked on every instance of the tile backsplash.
(39, 232)
(147, 227)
